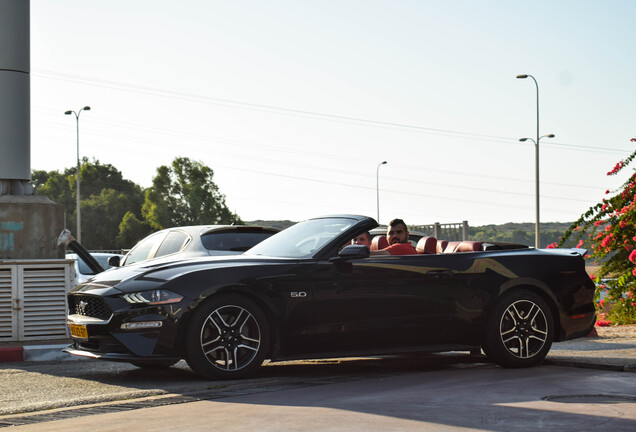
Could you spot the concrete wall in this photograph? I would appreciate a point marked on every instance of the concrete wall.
(29, 227)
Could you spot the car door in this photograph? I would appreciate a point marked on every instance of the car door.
(382, 301)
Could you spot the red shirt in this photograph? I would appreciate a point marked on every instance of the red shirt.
(401, 249)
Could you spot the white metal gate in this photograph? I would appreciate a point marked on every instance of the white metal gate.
(33, 299)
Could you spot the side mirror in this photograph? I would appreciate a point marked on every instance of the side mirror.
(114, 261)
(354, 252)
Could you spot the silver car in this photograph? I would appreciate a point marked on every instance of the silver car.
(196, 240)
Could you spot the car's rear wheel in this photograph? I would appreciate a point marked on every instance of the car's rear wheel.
(227, 337)
(519, 333)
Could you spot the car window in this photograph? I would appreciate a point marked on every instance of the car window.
(143, 248)
(233, 241)
(174, 242)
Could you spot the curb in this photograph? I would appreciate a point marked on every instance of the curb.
(11, 354)
(590, 365)
(35, 353)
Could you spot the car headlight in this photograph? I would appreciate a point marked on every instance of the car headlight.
(154, 297)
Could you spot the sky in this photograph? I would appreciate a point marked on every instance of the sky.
(294, 104)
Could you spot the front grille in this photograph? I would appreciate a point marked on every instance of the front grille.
(90, 306)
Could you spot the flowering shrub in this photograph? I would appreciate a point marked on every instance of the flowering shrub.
(601, 321)
(610, 228)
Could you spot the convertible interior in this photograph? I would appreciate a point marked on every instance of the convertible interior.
(431, 245)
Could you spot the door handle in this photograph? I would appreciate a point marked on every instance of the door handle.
(440, 274)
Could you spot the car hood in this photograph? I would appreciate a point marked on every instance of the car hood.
(137, 277)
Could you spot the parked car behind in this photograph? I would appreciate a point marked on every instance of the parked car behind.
(196, 240)
(83, 272)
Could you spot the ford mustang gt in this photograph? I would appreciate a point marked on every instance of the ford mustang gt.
(306, 293)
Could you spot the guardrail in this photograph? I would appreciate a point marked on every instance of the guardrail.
(448, 231)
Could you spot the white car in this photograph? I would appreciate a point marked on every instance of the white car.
(83, 272)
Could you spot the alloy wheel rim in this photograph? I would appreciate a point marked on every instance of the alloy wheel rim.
(230, 338)
(523, 329)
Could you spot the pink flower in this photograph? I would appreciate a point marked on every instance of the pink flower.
(607, 240)
(616, 169)
(601, 303)
(623, 224)
(632, 256)
(552, 245)
(592, 276)
(607, 191)
(579, 244)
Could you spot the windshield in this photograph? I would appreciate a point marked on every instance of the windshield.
(303, 239)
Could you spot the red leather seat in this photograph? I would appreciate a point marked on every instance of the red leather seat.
(468, 246)
(441, 245)
(451, 246)
(379, 242)
(426, 245)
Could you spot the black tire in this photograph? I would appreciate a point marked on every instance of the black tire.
(227, 337)
(153, 365)
(520, 331)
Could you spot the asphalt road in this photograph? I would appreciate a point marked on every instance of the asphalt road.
(436, 392)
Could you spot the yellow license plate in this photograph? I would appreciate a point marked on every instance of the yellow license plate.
(78, 331)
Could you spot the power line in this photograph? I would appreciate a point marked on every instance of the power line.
(289, 111)
(359, 161)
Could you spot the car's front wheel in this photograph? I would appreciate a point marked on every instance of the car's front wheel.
(227, 337)
(519, 333)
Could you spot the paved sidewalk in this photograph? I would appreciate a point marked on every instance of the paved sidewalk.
(613, 348)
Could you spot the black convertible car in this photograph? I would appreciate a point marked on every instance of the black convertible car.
(301, 294)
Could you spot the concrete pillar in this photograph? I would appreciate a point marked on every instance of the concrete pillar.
(15, 120)
(465, 232)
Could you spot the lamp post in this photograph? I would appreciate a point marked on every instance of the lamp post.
(77, 114)
(536, 185)
(377, 187)
(537, 235)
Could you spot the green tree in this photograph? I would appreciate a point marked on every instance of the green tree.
(105, 198)
(185, 194)
(131, 230)
(610, 228)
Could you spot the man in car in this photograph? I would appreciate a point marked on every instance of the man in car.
(398, 237)
(363, 239)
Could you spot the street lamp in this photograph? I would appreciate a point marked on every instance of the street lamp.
(536, 181)
(537, 235)
(377, 184)
(77, 114)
